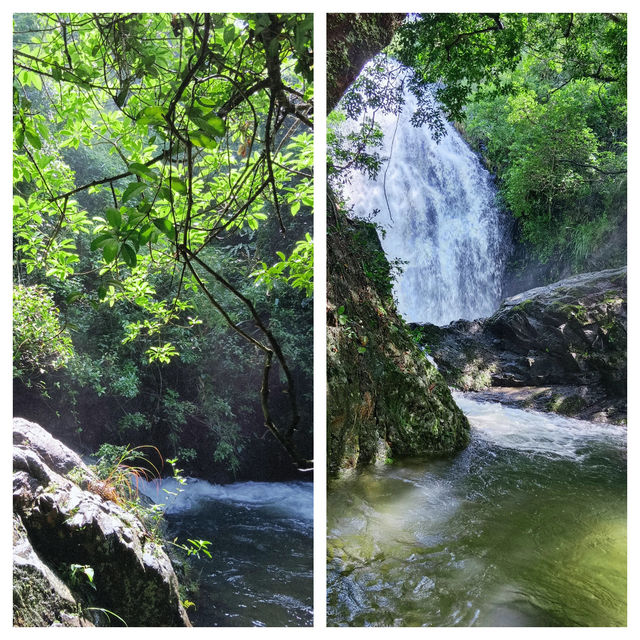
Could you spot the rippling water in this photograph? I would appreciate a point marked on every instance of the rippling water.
(261, 573)
(526, 527)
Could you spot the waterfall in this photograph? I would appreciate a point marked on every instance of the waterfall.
(441, 219)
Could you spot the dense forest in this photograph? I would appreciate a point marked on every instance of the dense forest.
(163, 259)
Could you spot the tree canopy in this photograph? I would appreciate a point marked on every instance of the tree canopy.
(147, 147)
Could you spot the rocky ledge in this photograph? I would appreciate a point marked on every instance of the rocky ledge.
(80, 559)
(561, 348)
(385, 400)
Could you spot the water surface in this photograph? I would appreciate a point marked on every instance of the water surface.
(261, 572)
(526, 527)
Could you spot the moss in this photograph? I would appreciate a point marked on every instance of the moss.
(35, 604)
(523, 305)
(566, 405)
(577, 311)
(475, 376)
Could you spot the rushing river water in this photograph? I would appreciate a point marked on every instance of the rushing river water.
(526, 527)
(261, 572)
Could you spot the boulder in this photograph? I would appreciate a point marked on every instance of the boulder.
(81, 558)
(565, 342)
(40, 598)
(385, 399)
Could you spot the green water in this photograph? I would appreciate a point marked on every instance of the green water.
(527, 527)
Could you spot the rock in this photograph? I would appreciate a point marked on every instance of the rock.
(56, 455)
(569, 338)
(40, 598)
(384, 398)
(585, 403)
(352, 40)
(64, 533)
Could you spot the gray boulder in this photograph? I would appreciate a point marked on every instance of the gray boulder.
(568, 338)
(63, 533)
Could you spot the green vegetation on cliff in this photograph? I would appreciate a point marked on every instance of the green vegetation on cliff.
(384, 398)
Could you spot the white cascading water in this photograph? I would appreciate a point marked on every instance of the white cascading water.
(440, 216)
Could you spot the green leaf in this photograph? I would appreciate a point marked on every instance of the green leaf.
(110, 250)
(102, 292)
(145, 234)
(201, 139)
(133, 190)
(217, 124)
(129, 256)
(207, 102)
(151, 115)
(177, 185)
(142, 171)
(229, 33)
(33, 139)
(165, 192)
(101, 240)
(20, 138)
(114, 217)
(144, 207)
(166, 226)
(56, 72)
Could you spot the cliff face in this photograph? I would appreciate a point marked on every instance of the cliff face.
(384, 398)
(562, 347)
(79, 558)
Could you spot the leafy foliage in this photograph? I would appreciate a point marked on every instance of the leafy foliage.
(39, 342)
(148, 149)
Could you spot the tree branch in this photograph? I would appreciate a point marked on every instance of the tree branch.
(96, 183)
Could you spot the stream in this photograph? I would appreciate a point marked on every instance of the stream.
(261, 533)
(526, 527)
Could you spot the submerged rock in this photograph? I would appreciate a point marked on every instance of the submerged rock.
(80, 558)
(563, 345)
(385, 399)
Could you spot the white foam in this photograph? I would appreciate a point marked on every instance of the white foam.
(293, 499)
(534, 431)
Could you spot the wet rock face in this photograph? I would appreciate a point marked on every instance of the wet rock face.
(570, 334)
(62, 532)
(384, 398)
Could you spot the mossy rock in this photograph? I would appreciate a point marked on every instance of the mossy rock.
(385, 399)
